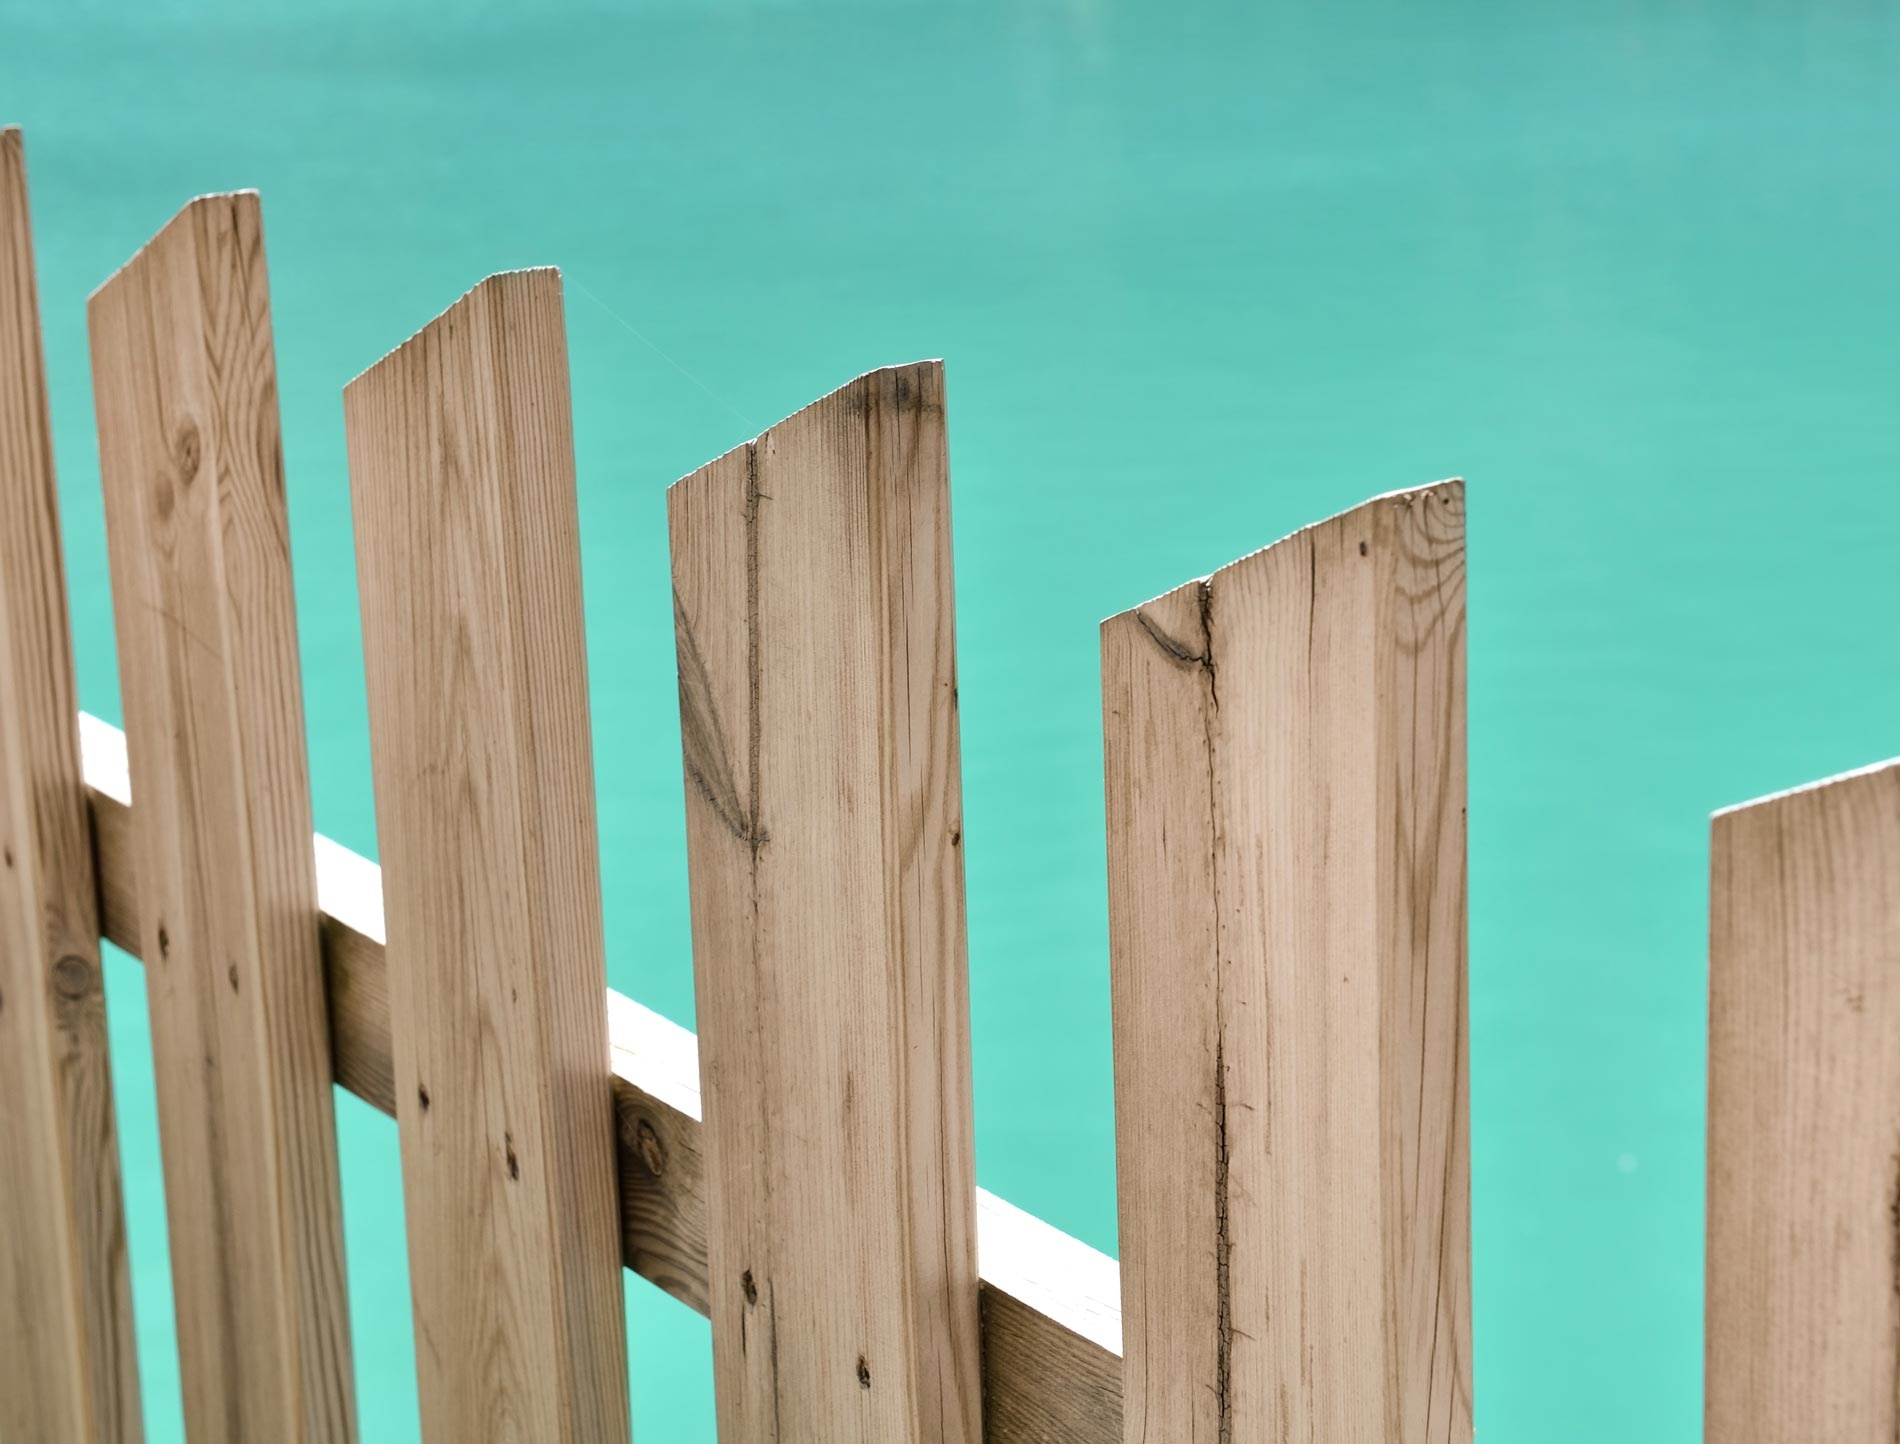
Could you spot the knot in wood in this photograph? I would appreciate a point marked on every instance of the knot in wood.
(646, 1141)
(187, 452)
(74, 978)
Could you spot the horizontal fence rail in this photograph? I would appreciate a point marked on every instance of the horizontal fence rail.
(1051, 1304)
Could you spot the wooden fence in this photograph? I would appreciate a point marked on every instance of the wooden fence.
(1285, 753)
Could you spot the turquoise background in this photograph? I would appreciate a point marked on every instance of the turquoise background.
(1202, 273)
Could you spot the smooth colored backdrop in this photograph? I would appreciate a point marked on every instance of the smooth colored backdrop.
(1202, 272)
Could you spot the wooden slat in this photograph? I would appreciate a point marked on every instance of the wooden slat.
(68, 1370)
(185, 394)
(1285, 753)
(1051, 1304)
(1803, 1323)
(468, 550)
(817, 662)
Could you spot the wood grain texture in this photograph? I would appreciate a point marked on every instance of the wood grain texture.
(185, 394)
(817, 660)
(1285, 766)
(468, 553)
(1052, 1330)
(1051, 1304)
(1803, 1274)
(67, 1371)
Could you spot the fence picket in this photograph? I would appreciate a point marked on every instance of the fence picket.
(1285, 793)
(71, 1374)
(185, 390)
(468, 553)
(1804, 1109)
(817, 666)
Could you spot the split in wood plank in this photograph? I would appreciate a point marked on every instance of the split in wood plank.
(1285, 764)
(817, 659)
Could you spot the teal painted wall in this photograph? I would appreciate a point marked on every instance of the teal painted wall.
(1202, 273)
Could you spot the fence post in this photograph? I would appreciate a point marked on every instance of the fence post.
(468, 553)
(817, 664)
(68, 1371)
(1804, 1116)
(185, 389)
(1285, 752)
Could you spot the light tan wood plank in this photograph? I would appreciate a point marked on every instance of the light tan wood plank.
(1285, 761)
(68, 1371)
(1051, 1304)
(184, 386)
(818, 706)
(468, 552)
(1803, 1323)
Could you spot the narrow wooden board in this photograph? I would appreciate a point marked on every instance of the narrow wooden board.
(468, 553)
(1285, 763)
(1803, 1323)
(1051, 1304)
(185, 392)
(68, 1371)
(817, 662)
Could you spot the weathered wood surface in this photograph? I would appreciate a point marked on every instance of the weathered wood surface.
(67, 1370)
(1051, 1304)
(1803, 1314)
(186, 402)
(1285, 767)
(812, 584)
(468, 553)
